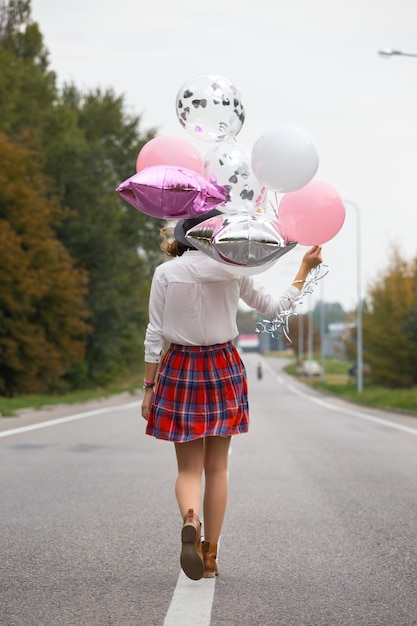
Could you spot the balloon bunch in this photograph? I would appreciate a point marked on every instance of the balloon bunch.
(173, 181)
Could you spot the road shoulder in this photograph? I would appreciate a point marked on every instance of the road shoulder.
(27, 417)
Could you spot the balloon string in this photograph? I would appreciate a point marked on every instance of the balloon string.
(280, 325)
(275, 206)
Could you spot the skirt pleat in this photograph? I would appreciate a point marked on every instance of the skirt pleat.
(201, 391)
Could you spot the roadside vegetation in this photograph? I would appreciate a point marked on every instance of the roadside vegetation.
(336, 380)
(10, 406)
(77, 260)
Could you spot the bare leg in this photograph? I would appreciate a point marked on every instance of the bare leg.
(216, 454)
(190, 460)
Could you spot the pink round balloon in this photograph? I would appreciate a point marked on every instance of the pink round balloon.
(169, 192)
(170, 151)
(311, 215)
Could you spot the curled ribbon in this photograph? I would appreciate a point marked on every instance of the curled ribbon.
(281, 323)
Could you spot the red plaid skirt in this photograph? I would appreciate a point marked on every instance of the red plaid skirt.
(201, 391)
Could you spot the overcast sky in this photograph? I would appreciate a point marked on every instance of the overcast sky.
(310, 64)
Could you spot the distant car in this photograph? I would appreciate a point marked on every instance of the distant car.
(309, 368)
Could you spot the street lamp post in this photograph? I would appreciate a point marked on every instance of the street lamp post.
(391, 53)
(300, 339)
(359, 338)
(310, 345)
(322, 332)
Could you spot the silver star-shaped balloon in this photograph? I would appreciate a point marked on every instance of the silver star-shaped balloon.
(240, 240)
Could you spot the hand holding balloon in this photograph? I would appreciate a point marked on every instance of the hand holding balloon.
(311, 259)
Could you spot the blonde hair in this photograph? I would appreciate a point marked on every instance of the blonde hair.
(170, 246)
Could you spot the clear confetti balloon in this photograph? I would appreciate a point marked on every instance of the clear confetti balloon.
(209, 107)
(228, 164)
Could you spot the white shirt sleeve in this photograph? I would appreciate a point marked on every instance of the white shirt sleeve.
(154, 339)
(258, 298)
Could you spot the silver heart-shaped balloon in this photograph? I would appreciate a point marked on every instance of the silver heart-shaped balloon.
(240, 240)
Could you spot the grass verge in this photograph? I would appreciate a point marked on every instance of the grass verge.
(9, 406)
(336, 381)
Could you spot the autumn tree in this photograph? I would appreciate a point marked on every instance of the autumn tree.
(42, 320)
(85, 144)
(389, 324)
(410, 324)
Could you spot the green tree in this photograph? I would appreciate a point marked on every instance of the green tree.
(388, 325)
(86, 144)
(27, 87)
(93, 147)
(410, 323)
(42, 319)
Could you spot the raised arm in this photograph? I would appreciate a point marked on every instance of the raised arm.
(310, 260)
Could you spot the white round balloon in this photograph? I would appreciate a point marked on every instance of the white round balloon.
(284, 158)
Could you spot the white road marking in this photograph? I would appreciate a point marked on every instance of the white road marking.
(346, 411)
(192, 600)
(191, 603)
(68, 418)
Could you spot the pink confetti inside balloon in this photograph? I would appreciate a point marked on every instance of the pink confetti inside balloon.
(210, 108)
(228, 164)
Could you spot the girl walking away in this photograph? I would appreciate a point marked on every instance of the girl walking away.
(196, 393)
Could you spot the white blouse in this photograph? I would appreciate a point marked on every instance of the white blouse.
(194, 301)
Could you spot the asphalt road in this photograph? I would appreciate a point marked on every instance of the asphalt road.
(321, 527)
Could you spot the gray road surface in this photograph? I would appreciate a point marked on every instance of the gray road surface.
(321, 528)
